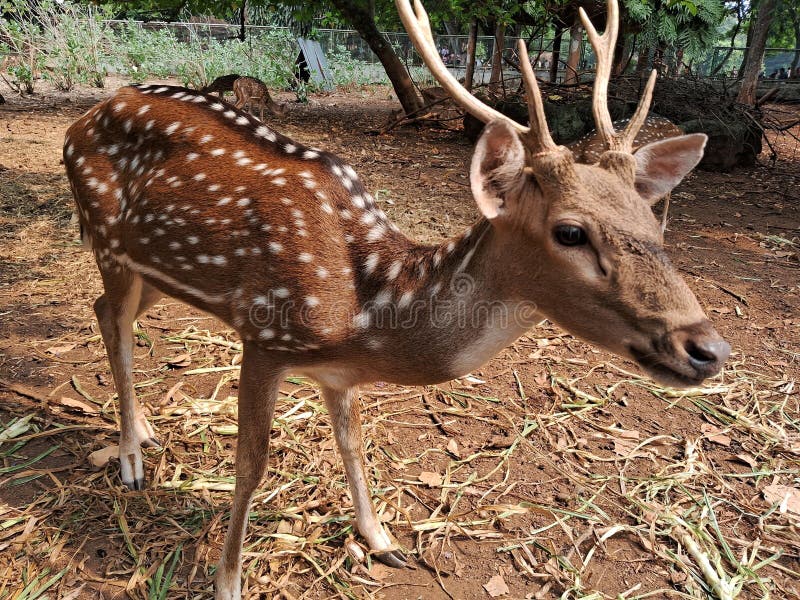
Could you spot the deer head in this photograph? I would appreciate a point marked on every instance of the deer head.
(580, 240)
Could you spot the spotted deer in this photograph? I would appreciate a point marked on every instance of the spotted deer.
(250, 91)
(591, 147)
(179, 194)
(220, 85)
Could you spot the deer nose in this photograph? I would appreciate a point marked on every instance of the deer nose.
(701, 347)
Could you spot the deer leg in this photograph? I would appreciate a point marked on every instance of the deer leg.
(344, 408)
(144, 431)
(258, 388)
(665, 212)
(116, 310)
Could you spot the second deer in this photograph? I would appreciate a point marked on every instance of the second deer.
(590, 148)
(250, 91)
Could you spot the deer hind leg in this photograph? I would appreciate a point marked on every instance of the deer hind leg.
(258, 389)
(126, 296)
(665, 213)
(344, 408)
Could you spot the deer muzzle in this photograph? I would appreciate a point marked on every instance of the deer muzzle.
(685, 356)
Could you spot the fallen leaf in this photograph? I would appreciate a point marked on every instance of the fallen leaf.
(452, 448)
(432, 479)
(355, 551)
(715, 434)
(100, 458)
(57, 350)
(496, 586)
(625, 441)
(788, 497)
(182, 360)
(748, 460)
(78, 405)
(175, 395)
(501, 441)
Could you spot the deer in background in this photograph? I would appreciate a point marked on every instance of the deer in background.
(221, 85)
(250, 91)
(180, 194)
(590, 148)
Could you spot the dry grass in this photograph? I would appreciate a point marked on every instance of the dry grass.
(663, 491)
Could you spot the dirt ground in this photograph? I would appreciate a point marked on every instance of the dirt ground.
(555, 470)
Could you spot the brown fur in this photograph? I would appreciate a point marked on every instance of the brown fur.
(250, 91)
(221, 84)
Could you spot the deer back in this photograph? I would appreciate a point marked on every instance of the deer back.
(221, 84)
(225, 213)
(591, 147)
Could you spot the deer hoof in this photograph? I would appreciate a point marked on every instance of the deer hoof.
(136, 485)
(392, 558)
(151, 442)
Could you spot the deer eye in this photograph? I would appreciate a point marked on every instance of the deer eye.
(570, 235)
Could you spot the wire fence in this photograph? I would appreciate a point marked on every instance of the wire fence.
(349, 44)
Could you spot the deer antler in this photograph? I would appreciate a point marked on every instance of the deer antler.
(603, 46)
(418, 27)
(539, 135)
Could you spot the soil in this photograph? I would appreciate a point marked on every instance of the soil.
(735, 238)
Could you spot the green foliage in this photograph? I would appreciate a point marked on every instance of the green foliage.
(21, 39)
(78, 47)
(689, 24)
(144, 53)
(267, 55)
(347, 70)
(785, 29)
(62, 42)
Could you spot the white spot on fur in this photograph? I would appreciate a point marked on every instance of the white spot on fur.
(371, 263)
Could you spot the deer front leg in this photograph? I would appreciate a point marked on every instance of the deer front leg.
(344, 408)
(258, 389)
(126, 296)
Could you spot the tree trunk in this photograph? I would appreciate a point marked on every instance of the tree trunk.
(755, 56)
(472, 43)
(658, 59)
(748, 43)
(361, 15)
(679, 53)
(497, 55)
(559, 32)
(643, 60)
(242, 14)
(620, 54)
(728, 53)
(574, 56)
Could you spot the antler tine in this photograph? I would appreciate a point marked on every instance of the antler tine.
(419, 30)
(539, 136)
(603, 46)
(639, 117)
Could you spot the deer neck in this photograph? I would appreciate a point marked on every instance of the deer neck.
(449, 306)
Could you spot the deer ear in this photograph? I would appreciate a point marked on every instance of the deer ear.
(662, 165)
(497, 165)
